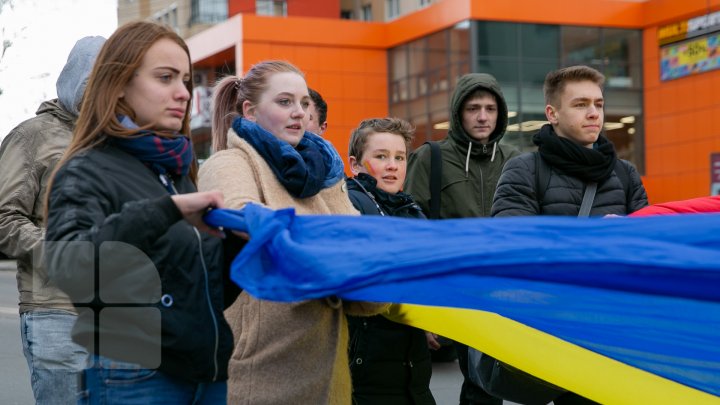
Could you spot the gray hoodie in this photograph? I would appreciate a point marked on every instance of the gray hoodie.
(28, 156)
(74, 76)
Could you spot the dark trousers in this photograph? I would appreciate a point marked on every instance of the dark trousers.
(471, 394)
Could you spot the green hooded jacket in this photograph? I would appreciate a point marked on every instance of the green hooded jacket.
(470, 170)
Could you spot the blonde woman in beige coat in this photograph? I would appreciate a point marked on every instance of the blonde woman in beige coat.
(284, 353)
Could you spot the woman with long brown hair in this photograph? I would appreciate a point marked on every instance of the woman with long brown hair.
(125, 236)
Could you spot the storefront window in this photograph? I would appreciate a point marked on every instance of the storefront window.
(520, 56)
(423, 74)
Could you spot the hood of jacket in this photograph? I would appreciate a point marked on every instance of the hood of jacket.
(466, 86)
(53, 107)
(73, 78)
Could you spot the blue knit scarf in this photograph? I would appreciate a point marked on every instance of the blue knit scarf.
(161, 155)
(304, 170)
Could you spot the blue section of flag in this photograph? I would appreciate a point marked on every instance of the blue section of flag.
(644, 291)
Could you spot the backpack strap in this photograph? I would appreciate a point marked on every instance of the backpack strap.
(542, 180)
(623, 174)
(588, 198)
(435, 179)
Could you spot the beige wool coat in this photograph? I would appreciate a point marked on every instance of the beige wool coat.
(285, 353)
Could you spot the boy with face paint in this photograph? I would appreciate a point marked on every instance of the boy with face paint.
(380, 349)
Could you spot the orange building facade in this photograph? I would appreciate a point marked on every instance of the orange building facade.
(354, 66)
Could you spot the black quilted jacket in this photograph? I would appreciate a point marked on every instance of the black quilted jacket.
(516, 192)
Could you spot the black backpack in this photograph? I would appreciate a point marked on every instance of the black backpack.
(435, 179)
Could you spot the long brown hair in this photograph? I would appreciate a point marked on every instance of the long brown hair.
(231, 92)
(118, 60)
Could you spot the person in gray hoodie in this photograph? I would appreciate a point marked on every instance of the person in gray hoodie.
(28, 156)
(472, 161)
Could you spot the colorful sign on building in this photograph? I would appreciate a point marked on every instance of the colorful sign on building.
(690, 57)
(689, 46)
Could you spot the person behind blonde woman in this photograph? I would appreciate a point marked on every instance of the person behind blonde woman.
(284, 352)
(316, 113)
(126, 240)
(28, 156)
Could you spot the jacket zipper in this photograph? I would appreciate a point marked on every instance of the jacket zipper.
(210, 307)
(170, 186)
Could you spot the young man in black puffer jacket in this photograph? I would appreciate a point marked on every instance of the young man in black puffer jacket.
(389, 362)
(575, 156)
(576, 152)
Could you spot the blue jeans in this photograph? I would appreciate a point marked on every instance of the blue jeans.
(110, 382)
(53, 358)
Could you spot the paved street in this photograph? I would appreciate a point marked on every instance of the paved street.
(14, 377)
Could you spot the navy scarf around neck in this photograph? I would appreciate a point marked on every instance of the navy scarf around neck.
(303, 170)
(162, 155)
(589, 165)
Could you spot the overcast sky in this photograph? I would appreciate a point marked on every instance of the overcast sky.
(42, 33)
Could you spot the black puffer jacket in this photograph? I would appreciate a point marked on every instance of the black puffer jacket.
(145, 282)
(516, 193)
(389, 362)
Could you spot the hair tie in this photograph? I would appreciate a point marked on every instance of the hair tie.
(238, 83)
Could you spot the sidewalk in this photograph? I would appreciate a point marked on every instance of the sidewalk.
(7, 265)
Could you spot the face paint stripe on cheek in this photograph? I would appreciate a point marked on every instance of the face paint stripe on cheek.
(369, 168)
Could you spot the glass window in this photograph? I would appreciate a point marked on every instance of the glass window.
(457, 70)
(534, 72)
(505, 70)
(276, 8)
(392, 9)
(367, 12)
(208, 11)
(398, 62)
(580, 45)
(622, 54)
(539, 41)
(417, 57)
(174, 18)
(439, 80)
(423, 74)
(459, 43)
(439, 106)
(440, 123)
(399, 110)
(437, 50)
(496, 39)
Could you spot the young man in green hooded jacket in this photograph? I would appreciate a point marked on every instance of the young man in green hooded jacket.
(472, 161)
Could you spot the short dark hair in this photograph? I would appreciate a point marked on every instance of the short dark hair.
(396, 126)
(556, 80)
(320, 105)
